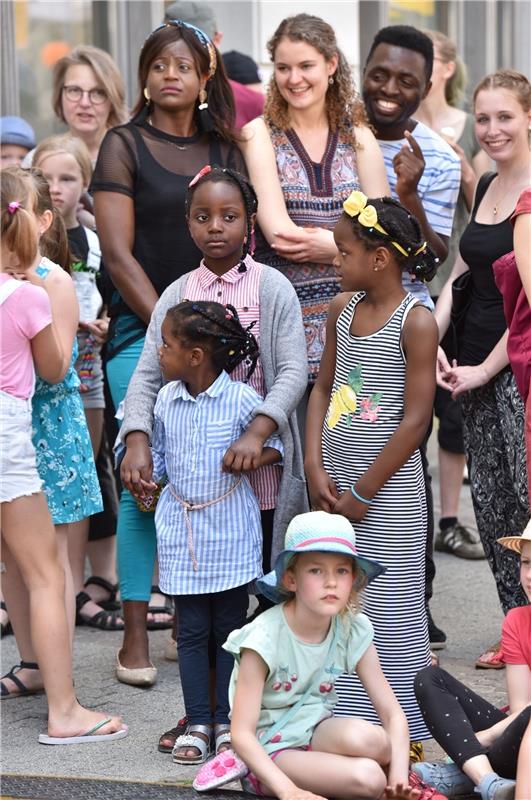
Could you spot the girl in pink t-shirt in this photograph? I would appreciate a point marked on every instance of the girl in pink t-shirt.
(28, 334)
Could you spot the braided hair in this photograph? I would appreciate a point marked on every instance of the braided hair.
(404, 229)
(250, 200)
(218, 329)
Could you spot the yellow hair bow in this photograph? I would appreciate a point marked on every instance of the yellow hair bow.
(356, 206)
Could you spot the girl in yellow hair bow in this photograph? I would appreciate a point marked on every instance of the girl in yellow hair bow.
(367, 416)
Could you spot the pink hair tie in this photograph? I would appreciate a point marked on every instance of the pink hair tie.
(204, 171)
(12, 207)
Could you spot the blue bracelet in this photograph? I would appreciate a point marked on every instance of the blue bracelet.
(359, 497)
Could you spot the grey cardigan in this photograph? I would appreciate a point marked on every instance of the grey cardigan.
(285, 366)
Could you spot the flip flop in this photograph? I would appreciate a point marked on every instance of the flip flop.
(87, 737)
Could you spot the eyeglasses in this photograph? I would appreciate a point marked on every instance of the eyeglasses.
(200, 35)
(75, 93)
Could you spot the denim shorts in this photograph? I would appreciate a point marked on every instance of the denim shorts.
(18, 469)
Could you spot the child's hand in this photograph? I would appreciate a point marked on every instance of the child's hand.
(401, 792)
(136, 468)
(322, 489)
(350, 507)
(99, 328)
(244, 454)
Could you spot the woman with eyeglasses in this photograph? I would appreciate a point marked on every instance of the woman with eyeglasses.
(182, 120)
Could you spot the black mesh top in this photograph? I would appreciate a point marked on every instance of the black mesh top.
(155, 168)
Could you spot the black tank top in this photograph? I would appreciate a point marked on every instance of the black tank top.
(480, 246)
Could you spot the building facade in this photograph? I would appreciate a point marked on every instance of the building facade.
(35, 33)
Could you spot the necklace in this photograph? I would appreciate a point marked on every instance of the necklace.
(174, 144)
(498, 202)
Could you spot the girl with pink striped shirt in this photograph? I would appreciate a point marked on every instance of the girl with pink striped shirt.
(221, 210)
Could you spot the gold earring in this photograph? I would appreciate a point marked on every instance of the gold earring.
(147, 95)
(202, 98)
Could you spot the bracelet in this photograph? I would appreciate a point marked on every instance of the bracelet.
(359, 497)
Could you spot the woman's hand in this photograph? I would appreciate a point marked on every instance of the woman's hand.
(322, 489)
(99, 328)
(136, 469)
(463, 379)
(349, 507)
(444, 370)
(244, 454)
(306, 244)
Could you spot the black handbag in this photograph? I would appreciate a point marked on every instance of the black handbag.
(461, 298)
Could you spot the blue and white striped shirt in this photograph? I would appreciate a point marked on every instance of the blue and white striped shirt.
(190, 438)
(437, 188)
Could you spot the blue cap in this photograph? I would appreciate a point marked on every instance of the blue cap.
(315, 531)
(15, 130)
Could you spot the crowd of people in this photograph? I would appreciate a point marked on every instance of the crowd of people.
(262, 299)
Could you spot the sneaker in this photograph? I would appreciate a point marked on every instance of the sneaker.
(426, 792)
(460, 541)
(447, 778)
(437, 636)
(492, 787)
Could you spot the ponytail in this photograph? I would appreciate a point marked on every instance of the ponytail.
(18, 226)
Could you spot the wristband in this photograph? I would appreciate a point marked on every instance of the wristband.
(359, 497)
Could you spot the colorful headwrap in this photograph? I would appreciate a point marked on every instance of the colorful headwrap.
(200, 35)
(356, 206)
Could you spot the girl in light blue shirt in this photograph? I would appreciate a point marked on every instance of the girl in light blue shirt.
(209, 535)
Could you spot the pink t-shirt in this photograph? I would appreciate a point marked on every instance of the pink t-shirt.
(22, 316)
(516, 636)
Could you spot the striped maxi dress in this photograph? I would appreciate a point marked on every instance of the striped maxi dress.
(394, 529)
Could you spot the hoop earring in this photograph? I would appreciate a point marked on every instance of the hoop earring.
(147, 95)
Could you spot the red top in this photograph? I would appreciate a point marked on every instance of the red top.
(516, 307)
(516, 636)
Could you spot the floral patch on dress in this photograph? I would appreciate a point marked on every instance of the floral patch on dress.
(344, 401)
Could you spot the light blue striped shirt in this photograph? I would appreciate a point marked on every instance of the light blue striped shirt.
(437, 188)
(190, 437)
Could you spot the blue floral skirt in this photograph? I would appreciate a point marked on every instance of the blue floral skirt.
(64, 455)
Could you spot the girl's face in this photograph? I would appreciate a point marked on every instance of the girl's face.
(85, 118)
(174, 357)
(172, 80)
(502, 125)
(64, 177)
(322, 582)
(352, 263)
(218, 224)
(525, 569)
(302, 73)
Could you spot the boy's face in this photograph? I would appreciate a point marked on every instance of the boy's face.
(12, 155)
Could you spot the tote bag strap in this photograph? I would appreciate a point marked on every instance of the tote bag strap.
(7, 289)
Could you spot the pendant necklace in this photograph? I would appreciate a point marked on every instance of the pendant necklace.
(174, 144)
(498, 202)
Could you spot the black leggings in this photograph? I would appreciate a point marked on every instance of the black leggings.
(454, 713)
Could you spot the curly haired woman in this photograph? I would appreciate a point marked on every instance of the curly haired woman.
(311, 149)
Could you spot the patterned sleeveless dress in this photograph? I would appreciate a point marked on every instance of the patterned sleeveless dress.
(394, 529)
(314, 195)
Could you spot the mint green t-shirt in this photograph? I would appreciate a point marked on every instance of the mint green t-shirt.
(293, 666)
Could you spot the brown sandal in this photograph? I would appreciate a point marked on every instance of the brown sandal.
(172, 735)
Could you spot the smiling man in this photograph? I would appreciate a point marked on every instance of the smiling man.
(423, 171)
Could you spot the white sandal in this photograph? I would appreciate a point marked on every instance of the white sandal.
(221, 736)
(189, 740)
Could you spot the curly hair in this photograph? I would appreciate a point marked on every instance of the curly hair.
(344, 107)
(402, 227)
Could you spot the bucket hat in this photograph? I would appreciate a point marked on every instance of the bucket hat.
(516, 543)
(315, 531)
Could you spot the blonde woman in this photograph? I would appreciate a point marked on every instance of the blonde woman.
(311, 149)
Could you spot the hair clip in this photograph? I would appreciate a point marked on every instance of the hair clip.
(203, 171)
(231, 352)
(13, 206)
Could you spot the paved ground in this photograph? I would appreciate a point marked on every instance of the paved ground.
(465, 606)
